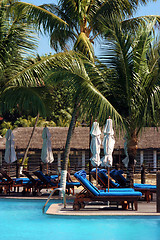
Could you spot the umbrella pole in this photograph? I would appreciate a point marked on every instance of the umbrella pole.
(96, 176)
(9, 157)
(108, 179)
(47, 168)
(9, 170)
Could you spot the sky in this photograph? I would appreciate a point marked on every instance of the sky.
(152, 8)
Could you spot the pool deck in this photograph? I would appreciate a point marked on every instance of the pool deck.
(144, 209)
(57, 209)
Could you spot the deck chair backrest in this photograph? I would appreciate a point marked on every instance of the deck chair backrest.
(28, 175)
(118, 177)
(81, 176)
(45, 179)
(104, 179)
(93, 173)
(5, 175)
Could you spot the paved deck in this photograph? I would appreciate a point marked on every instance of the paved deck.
(58, 209)
(144, 208)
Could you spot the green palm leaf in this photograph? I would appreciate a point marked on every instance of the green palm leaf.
(129, 55)
(41, 16)
(25, 98)
(72, 70)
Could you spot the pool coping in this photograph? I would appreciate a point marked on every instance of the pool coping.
(58, 209)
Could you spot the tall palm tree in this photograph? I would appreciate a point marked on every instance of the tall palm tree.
(77, 24)
(80, 74)
(135, 80)
(17, 40)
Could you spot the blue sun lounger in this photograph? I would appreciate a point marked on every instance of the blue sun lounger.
(53, 182)
(90, 194)
(34, 184)
(146, 189)
(103, 181)
(69, 184)
(103, 178)
(7, 183)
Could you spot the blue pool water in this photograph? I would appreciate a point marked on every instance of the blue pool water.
(24, 220)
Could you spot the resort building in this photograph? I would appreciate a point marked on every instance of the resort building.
(148, 151)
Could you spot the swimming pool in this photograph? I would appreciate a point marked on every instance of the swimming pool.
(24, 220)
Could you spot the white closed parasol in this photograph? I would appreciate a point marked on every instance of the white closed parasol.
(95, 145)
(108, 144)
(46, 153)
(10, 154)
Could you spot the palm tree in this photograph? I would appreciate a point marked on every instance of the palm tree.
(76, 24)
(16, 42)
(134, 60)
(80, 74)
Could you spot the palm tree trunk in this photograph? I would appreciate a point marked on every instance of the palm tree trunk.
(132, 151)
(28, 146)
(67, 147)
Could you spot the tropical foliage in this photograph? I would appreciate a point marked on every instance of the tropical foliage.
(134, 60)
(76, 23)
(80, 23)
(16, 42)
(25, 122)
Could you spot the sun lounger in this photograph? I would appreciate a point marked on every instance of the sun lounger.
(53, 182)
(7, 183)
(33, 185)
(103, 178)
(91, 194)
(46, 181)
(146, 189)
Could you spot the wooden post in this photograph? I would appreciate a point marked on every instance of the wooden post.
(108, 179)
(59, 162)
(158, 191)
(119, 156)
(0, 158)
(142, 174)
(83, 160)
(90, 167)
(47, 168)
(154, 160)
(96, 177)
(141, 158)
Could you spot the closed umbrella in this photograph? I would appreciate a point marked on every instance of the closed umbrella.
(108, 144)
(10, 154)
(95, 145)
(46, 153)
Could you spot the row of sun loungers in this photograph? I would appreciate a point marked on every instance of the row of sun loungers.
(34, 183)
(124, 197)
(120, 182)
(118, 192)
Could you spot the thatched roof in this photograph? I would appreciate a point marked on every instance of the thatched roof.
(58, 138)
(149, 139)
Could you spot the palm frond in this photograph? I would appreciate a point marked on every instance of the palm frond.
(131, 24)
(17, 40)
(119, 8)
(136, 72)
(41, 16)
(74, 71)
(24, 98)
